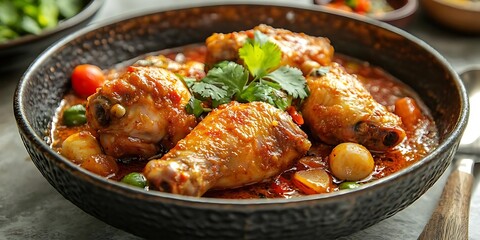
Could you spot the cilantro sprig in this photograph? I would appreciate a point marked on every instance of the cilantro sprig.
(260, 79)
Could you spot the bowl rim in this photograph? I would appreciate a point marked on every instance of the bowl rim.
(87, 11)
(26, 128)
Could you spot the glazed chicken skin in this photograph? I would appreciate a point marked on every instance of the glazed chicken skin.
(141, 111)
(187, 68)
(235, 145)
(193, 69)
(340, 109)
(298, 49)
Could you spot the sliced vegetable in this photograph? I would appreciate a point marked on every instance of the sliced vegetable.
(86, 78)
(348, 185)
(101, 164)
(313, 181)
(351, 162)
(135, 179)
(78, 147)
(74, 116)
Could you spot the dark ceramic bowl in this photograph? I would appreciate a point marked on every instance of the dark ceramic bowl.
(21, 51)
(401, 16)
(155, 214)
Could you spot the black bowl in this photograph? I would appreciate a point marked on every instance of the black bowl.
(20, 51)
(155, 214)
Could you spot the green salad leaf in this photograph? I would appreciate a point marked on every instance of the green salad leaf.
(21, 17)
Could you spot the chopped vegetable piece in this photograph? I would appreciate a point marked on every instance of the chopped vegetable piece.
(296, 116)
(78, 147)
(282, 187)
(101, 164)
(135, 179)
(74, 116)
(407, 109)
(348, 185)
(313, 181)
(86, 79)
(351, 161)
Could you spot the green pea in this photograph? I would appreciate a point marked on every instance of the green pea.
(74, 116)
(135, 179)
(348, 185)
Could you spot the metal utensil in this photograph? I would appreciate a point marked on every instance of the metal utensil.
(450, 218)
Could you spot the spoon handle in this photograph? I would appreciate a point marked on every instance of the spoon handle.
(450, 218)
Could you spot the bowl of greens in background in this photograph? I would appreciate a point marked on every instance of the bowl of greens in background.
(27, 27)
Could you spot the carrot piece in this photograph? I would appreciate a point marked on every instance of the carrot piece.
(407, 109)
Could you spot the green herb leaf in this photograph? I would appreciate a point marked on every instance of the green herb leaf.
(229, 74)
(291, 80)
(224, 81)
(215, 91)
(266, 92)
(260, 59)
(195, 107)
(230, 81)
(188, 81)
(216, 103)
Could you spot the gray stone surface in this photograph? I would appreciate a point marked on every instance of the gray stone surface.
(31, 209)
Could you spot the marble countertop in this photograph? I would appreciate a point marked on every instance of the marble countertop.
(30, 208)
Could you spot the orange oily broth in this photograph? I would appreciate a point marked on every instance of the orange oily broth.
(383, 87)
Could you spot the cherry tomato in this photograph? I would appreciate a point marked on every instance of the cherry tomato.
(86, 79)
